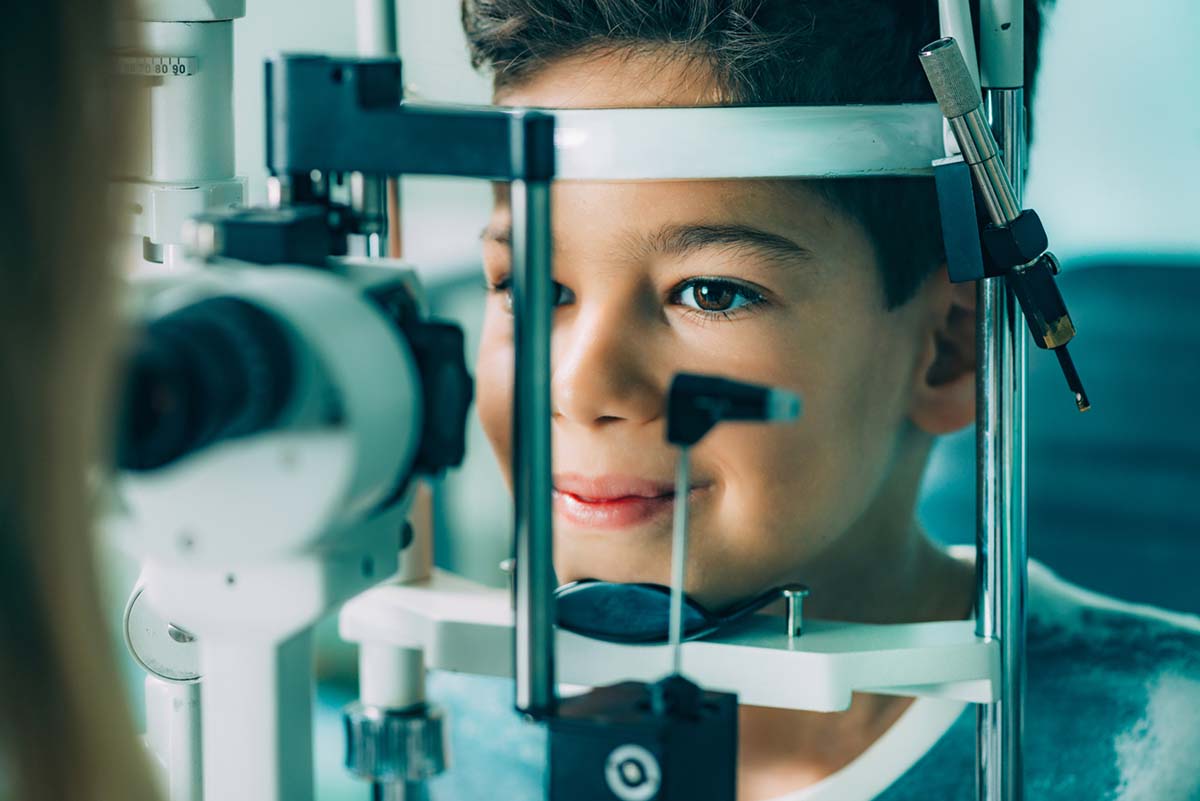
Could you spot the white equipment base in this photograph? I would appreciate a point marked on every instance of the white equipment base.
(468, 628)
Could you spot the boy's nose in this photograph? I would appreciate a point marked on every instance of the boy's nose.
(603, 372)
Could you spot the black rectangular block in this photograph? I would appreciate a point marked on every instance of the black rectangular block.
(609, 745)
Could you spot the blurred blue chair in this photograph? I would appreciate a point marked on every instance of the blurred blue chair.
(1113, 495)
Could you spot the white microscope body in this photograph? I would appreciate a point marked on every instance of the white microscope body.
(183, 51)
(248, 542)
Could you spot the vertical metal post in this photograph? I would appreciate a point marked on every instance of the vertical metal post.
(375, 29)
(532, 482)
(1000, 536)
(377, 36)
(679, 558)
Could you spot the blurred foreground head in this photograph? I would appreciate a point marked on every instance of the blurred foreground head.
(65, 729)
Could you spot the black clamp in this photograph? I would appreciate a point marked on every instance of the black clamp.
(447, 388)
(696, 403)
(291, 235)
(1012, 246)
(977, 249)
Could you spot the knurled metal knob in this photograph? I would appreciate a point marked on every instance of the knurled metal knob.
(395, 745)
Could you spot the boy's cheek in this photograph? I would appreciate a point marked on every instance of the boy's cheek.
(493, 390)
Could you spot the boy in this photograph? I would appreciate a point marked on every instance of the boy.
(833, 289)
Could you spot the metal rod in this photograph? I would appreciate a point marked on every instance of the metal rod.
(375, 30)
(399, 791)
(532, 483)
(683, 481)
(377, 36)
(1001, 535)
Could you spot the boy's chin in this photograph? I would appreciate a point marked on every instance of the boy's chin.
(623, 576)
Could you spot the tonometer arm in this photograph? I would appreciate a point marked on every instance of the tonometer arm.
(1016, 240)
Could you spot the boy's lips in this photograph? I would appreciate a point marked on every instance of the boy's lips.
(612, 501)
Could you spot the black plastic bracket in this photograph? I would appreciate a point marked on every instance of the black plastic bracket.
(349, 115)
(1016, 244)
(291, 235)
(960, 219)
(439, 349)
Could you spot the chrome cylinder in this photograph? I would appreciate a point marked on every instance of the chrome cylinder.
(1000, 534)
(533, 308)
(982, 153)
(369, 201)
(376, 34)
(399, 791)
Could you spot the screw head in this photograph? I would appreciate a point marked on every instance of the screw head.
(799, 591)
(180, 634)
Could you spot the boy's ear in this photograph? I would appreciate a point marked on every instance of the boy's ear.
(944, 386)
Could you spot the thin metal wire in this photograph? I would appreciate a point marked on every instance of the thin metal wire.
(679, 557)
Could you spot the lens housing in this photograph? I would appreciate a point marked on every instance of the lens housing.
(215, 370)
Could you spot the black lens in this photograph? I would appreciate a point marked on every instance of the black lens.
(218, 369)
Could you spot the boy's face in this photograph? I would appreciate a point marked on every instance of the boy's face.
(757, 281)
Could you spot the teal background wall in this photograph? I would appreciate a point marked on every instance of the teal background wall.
(1115, 162)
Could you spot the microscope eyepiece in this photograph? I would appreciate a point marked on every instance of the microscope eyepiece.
(217, 369)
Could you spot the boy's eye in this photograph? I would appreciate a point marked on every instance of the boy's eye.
(561, 295)
(715, 296)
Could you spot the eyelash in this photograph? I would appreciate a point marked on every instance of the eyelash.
(753, 298)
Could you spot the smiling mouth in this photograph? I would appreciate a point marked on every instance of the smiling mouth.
(613, 503)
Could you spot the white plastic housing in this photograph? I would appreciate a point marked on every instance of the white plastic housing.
(181, 54)
(191, 116)
(189, 10)
(173, 737)
(283, 493)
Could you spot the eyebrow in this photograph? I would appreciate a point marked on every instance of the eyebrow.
(683, 240)
(687, 239)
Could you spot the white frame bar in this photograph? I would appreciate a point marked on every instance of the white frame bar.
(657, 144)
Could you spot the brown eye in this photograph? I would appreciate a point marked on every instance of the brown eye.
(714, 296)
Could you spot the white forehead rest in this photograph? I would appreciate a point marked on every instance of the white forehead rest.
(747, 142)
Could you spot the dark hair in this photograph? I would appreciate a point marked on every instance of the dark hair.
(809, 52)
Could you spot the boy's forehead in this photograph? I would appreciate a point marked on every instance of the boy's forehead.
(770, 222)
(774, 204)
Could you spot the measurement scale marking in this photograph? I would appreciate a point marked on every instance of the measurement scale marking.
(157, 66)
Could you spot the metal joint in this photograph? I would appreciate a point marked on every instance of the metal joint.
(395, 745)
